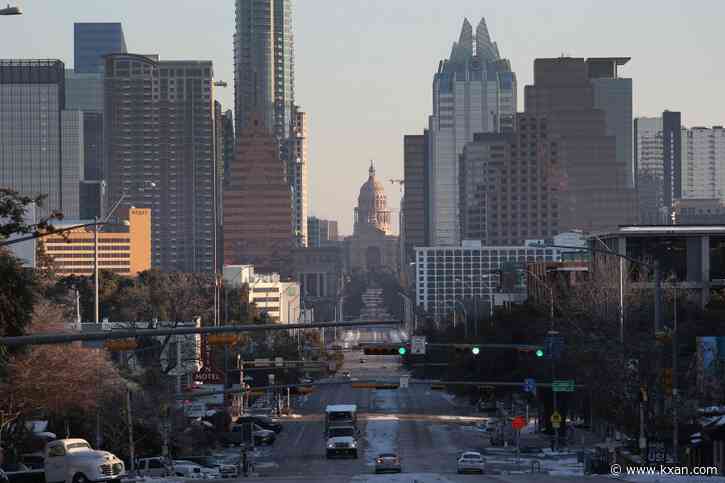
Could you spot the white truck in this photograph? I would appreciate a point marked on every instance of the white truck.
(73, 461)
(341, 430)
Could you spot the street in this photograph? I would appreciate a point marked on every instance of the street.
(427, 429)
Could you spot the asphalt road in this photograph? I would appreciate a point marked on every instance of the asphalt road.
(427, 429)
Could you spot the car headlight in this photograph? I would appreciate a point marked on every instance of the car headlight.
(330, 445)
(353, 444)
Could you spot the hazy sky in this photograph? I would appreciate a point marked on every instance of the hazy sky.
(364, 67)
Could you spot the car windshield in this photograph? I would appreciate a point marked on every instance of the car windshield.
(338, 432)
(75, 446)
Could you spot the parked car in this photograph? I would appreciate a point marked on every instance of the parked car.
(263, 436)
(266, 422)
(225, 470)
(73, 461)
(157, 467)
(189, 469)
(387, 462)
(471, 461)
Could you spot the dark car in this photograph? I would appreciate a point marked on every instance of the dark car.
(265, 422)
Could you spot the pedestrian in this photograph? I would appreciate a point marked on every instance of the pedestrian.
(553, 443)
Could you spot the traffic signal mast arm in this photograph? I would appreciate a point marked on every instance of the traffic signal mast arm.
(521, 347)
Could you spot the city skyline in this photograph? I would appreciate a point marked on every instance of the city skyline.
(322, 86)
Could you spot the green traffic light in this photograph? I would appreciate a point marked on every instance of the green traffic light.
(402, 351)
(539, 353)
(475, 350)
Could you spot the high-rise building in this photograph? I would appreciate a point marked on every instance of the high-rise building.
(32, 98)
(321, 232)
(474, 91)
(579, 154)
(297, 168)
(71, 161)
(672, 155)
(509, 194)
(650, 166)
(264, 64)
(703, 162)
(84, 92)
(658, 162)
(94, 40)
(92, 198)
(228, 140)
(415, 229)
(258, 203)
(125, 250)
(159, 129)
(613, 95)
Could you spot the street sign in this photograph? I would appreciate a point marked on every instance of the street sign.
(404, 381)
(518, 423)
(563, 385)
(530, 385)
(555, 419)
(417, 345)
(657, 452)
(209, 375)
(279, 362)
(262, 363)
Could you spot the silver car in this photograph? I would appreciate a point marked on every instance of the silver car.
(387, 462)
(470, 462)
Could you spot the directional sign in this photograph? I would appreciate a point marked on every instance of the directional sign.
(518, 423)
(530, 385)
(417, 345)
(563, 385)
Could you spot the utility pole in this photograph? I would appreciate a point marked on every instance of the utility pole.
(131, 449)
(95, 272)
(675, 355)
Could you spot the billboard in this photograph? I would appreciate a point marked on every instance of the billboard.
(710, 364)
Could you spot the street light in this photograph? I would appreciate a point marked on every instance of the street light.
(10, 10)
(96, 307)
(621, 288)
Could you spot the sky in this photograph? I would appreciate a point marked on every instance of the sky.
(364, 69)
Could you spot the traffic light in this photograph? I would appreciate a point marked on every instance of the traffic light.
(539, 352)
(475, 350)
(402, 350)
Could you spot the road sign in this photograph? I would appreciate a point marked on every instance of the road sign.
(530, 385)
(518, 423)
(657, 452)
(417, 345)
(563, 385)
(404, 381)
(555, 418)
(209, 375)
(279, 362)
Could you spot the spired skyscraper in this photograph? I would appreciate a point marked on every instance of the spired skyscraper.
(264, 86)
(474, 91)
(264, 64)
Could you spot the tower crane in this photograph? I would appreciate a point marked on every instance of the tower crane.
(401, 182)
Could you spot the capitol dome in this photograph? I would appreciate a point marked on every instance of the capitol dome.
(372, 203)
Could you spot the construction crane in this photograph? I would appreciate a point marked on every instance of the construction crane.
(401, 182)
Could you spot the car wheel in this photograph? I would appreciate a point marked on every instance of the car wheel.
(80, 478)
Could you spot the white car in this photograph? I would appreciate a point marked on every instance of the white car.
(189, 469)
(471, 461)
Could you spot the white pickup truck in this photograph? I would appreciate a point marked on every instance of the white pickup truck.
(73, 461)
